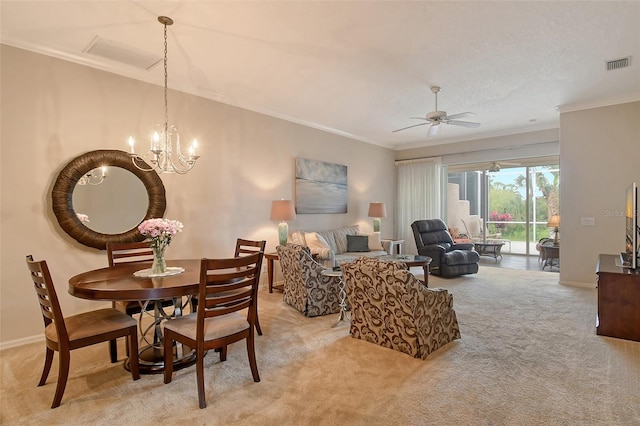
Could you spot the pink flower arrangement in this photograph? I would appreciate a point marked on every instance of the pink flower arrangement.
(160, 231)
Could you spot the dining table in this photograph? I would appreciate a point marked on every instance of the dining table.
(118, 283)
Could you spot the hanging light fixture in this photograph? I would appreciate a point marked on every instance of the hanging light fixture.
(94, 177)
(162, 157)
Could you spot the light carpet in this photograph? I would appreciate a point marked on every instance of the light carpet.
(529, 355)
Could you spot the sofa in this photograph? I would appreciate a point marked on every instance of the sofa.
(337, 246)
(392, 308)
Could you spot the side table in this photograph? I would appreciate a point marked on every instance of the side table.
(550, 252)
(271, 258)
(343, 295)
(395, 245)
(412, 260)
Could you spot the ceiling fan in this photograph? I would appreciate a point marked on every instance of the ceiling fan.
(435, 118)
(497, 165)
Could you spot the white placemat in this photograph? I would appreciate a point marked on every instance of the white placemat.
(171, 270)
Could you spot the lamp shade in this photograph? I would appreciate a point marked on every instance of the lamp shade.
(377, 210)
(554, 221)
(282, 210)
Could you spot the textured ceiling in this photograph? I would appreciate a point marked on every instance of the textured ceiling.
(362, 68)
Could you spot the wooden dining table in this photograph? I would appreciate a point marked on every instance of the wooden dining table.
(119, 283)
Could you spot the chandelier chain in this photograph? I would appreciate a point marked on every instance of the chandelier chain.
(166, 97)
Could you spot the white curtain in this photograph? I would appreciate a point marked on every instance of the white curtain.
(418, 196)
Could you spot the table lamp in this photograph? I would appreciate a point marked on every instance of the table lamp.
(554, 222)
(376, 211)
(283, 210)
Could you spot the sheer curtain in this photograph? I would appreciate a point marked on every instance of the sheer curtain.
(418, 196)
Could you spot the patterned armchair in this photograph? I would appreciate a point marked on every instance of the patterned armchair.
(391, 308)
(305, 288)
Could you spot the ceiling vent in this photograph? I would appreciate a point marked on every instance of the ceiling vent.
(618, 63)
(122, 53)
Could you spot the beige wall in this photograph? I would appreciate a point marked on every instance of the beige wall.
(599, 158)
(54, 110)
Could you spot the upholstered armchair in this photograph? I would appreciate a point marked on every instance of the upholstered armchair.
(305, 288)
(448, 258)
(392, 308)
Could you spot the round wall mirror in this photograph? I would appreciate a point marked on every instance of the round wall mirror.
(96, 195)
(102, 197)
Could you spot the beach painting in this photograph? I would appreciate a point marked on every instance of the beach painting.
(321, 187)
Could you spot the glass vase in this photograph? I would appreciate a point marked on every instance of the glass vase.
(159, 265)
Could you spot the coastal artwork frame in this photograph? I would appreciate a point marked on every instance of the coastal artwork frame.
(321, 187)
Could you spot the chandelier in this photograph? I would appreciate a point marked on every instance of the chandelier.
(94, 177)
(162, 157)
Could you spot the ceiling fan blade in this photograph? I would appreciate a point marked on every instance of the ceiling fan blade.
(461, 115)
(463, 123)
(433, 130)
(408, 127)
(421, 118)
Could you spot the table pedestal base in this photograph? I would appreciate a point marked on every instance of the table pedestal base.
(152, 360)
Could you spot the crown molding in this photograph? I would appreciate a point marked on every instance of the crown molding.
(616, 100)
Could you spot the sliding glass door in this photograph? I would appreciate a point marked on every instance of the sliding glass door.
(509, 201)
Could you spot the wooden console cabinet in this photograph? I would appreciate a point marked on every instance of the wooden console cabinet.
(618, 300)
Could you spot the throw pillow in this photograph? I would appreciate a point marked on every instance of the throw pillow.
(357, 243)
(297, 237)
(375, 243)
(455, 233)
(315, 241)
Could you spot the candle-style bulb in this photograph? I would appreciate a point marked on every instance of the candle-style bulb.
(155, 141)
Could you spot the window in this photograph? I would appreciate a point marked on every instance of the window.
(512, 202)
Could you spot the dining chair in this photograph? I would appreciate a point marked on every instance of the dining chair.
(66, 334)
(127, 253)
(243, 248)
(226, 314)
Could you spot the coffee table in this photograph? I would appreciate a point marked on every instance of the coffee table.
(489, 249)
(412, 260)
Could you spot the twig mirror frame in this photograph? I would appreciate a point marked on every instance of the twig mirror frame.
(62, 193)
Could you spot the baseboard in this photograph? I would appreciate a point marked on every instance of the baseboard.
(21, 342)
(578, 284)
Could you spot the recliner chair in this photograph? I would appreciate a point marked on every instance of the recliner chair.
(449, 259)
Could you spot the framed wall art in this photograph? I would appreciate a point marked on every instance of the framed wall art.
(321, 187)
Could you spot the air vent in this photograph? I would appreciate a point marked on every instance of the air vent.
(618, 63)
(122, 53)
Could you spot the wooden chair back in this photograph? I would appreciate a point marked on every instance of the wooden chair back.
(248, 247)
(47, 298)
(227, 286)
(245, 247)
(118, 253)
